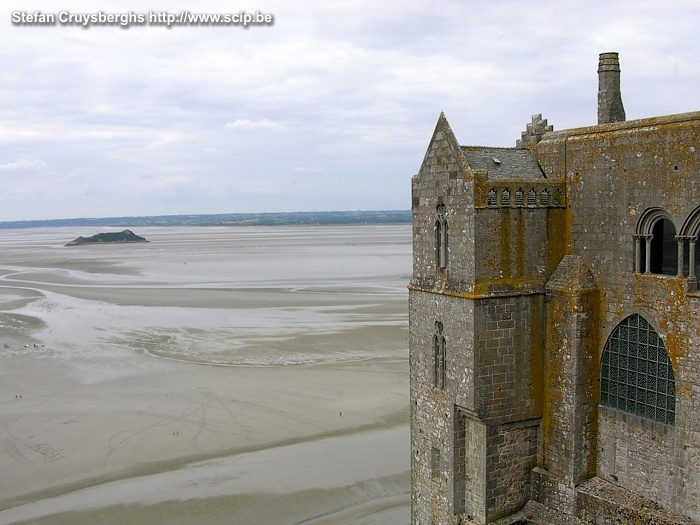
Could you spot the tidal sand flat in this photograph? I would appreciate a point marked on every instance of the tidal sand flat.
(213, 375)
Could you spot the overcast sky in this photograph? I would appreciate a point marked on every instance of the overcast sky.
(329, 108)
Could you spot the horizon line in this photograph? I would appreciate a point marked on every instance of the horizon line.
(231, 218)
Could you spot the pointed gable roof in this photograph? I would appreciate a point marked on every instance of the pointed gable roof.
(444, 139)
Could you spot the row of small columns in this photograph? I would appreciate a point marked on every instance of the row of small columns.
(681, 242)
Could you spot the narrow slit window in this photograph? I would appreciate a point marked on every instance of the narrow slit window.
(435, 460)
(440, 356)
(556, 198)
(532, 198)
(505, 197)
(492, 198)
(438, 243)
(441, 238)
(519, 197)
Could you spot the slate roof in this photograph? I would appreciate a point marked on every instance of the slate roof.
(504, 163)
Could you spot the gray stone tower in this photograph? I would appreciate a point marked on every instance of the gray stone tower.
(487, 234)
(610, 108)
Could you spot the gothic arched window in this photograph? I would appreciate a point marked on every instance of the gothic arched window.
(636, 373)
(656, 245)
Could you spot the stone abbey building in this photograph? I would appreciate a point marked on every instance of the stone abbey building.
(555, 323)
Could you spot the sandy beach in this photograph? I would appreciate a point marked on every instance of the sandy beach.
(212, 375)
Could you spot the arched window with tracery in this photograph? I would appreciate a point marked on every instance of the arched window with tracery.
(656, 244)
(636, 372)
(442, 237)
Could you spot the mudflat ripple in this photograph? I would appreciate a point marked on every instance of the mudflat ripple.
(225, 296)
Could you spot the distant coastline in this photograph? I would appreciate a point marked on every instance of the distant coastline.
(229, 219)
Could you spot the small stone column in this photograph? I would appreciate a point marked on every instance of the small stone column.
(637, 254)
(691, 257)
(692, 279)
(681, 242)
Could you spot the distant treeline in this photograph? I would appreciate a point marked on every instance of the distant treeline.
(229, 219)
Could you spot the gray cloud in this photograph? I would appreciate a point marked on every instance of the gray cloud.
(331, 107)
(23, 164)
(254, 125)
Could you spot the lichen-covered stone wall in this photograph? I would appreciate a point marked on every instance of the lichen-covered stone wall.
(508, 381)
(433, 409)
(524, 299)
(613, 174)
(638, 454)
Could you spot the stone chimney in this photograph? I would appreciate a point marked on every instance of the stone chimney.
(610, 107)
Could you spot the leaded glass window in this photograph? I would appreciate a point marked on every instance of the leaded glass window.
(637, 375)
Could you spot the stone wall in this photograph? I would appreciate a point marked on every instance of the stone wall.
(508, 364)
(508, 349)
(638, 454)
(511, 455)
(513, 245)
(614, 173)
(603, 503)
(470, 491)
(434, 416)
(688, 411)
(484, 424)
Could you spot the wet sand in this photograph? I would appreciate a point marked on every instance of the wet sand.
(250, 380)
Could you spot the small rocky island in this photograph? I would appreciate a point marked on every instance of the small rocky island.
(104, 238)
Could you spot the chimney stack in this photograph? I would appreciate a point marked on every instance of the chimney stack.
(610, 107)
